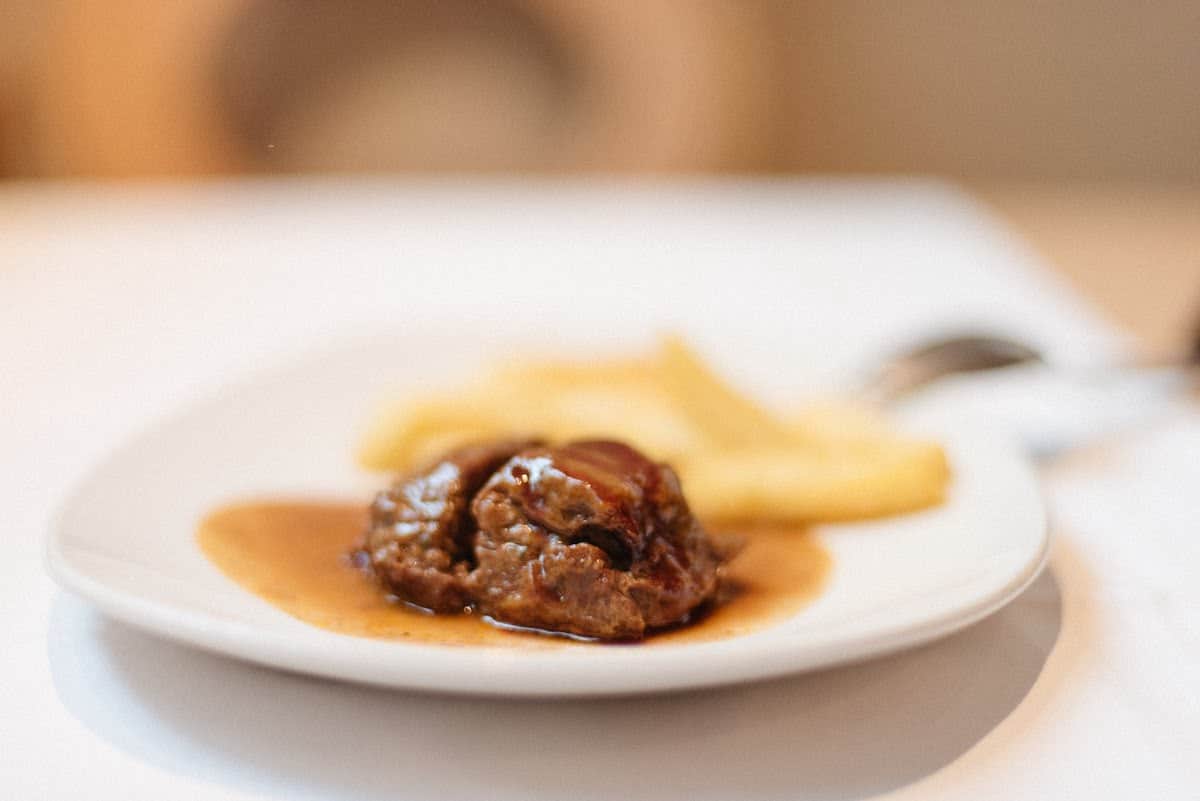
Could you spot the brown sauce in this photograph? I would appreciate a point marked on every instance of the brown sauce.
(293, 555)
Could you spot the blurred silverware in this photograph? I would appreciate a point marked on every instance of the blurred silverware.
(914, 368)
(911, 369)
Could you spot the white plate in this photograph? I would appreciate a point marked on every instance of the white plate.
(125, 541)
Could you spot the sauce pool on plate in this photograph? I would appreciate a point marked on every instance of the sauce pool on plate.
(295, 555)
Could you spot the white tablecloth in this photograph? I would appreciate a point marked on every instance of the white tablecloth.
(118, 304)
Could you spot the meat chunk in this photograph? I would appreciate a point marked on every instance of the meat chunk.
(420, 539)
(590, 539)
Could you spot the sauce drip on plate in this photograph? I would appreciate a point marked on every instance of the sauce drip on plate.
(294, 555)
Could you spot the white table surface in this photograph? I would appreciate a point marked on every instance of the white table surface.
(118, 304)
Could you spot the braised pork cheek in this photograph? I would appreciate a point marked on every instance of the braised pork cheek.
(591, 539)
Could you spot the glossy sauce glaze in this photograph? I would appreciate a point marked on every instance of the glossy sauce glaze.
(295, 555)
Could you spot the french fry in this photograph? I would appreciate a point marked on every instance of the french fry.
(834, 461)
(729, 419)
(815, 485)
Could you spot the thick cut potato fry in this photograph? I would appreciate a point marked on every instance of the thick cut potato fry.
(814, 485)
(735, 458)
(730, 420)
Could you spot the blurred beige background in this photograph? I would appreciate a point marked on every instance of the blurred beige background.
(1078, 120)
(1096, 89)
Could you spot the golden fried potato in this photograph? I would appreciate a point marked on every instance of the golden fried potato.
(814, 485)
(729, 419)
(736, 459)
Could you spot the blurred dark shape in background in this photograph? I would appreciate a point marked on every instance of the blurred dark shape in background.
(1097, 89)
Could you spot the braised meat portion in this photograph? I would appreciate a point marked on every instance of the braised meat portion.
(591, 539)
(421, 534)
